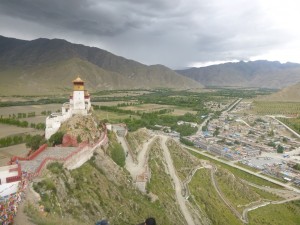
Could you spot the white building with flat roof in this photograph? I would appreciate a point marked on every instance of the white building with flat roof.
(10, 177)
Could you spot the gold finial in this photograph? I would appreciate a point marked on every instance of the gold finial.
(78, 79)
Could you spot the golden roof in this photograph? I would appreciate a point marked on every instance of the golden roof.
(78, 79)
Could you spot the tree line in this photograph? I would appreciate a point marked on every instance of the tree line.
(22, 123)
(13, 140)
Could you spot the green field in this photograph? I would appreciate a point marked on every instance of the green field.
(205, 196)
(293, 123)
(282, 214)
(275, 108)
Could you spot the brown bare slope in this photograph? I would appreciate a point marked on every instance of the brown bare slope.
(45, 66)
(288, 94)
(259, 73)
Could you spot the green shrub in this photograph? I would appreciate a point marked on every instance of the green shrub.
(34, 142)
(55, 167)
(56, 139)
(118, 155)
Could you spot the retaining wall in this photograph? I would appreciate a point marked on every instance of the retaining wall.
(76, 158)
(32, 156)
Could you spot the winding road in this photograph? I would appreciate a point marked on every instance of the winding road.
(139, 167)
(178, 187)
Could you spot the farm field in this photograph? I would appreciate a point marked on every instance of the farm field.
(156, 107)
(182, 111)
(8, 130)
(293, 123)
(7, 152)
(36, 119)
(113, 103)
(288, 213)
(148, 107)
(11, 99)
(122, 93)
(6, 111)
(275, 108)
(112, 117)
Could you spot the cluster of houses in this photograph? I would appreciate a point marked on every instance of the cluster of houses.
(239, 137)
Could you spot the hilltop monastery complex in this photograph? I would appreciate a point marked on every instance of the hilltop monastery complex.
(79, 103)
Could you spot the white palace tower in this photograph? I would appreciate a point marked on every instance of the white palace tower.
(79, 103)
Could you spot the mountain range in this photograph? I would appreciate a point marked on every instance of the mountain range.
(47, 66)
(261, 73)
(44, 66)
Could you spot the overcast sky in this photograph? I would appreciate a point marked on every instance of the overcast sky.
(175, 33)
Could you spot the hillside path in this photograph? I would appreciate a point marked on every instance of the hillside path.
(180, 199)
(138, 168)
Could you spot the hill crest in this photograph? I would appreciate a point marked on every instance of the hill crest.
(261, 73)
(42, 66)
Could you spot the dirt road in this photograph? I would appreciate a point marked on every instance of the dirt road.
(139, 167)
(178, 188)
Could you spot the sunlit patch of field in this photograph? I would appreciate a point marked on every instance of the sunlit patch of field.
(112, 117)
(180, 112)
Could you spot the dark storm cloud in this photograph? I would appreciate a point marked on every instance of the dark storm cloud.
(171, 32)
(83, 16)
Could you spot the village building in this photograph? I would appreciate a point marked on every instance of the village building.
(79, 103)
(10, 177)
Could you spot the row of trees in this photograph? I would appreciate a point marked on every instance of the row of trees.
(22, 115)
(45, 113)
(29, 114)
(22, 123)
(42, 101)
(15, 122)
(13, 140)
(149, 120)
(34, 142)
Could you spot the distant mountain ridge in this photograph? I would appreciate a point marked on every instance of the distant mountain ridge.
(42, 66)
(259, 73)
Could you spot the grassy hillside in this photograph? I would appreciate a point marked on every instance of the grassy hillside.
(288, 94)
(287, 213)
(101, 189)
(46, 66)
